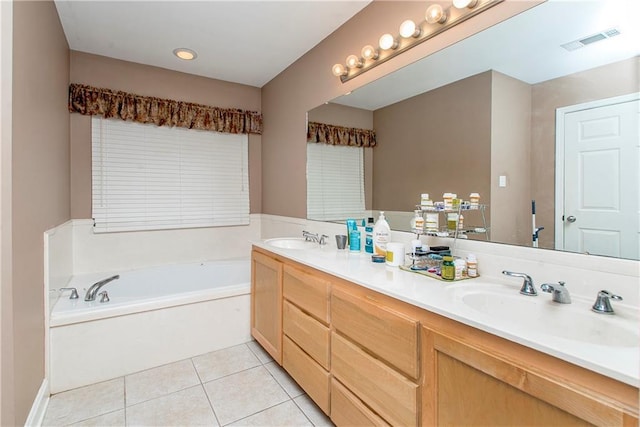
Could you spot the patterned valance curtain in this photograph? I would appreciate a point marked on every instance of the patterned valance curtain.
(340, 135)
(89, 100)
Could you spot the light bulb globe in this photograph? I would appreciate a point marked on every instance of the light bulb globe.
(408, 29)
(387, 42)
(435, 14)
(338, 70)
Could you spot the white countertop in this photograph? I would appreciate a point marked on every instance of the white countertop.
(445, 298)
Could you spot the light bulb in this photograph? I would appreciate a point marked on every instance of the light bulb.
(353, 61)
(387, 42)
(369, 52)
(435, 14)
(408, 29)
(184, 53)
(462, 4)
(338, 70)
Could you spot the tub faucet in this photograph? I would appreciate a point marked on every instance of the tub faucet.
(93, 290)
(558, 292)
(527, 285)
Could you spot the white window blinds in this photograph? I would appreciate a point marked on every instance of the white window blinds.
(147, 177)
(335, 182)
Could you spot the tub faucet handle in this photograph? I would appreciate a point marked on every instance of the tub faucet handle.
(104, 296)
(74, 292)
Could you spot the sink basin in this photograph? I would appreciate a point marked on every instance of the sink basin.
(291, 243)
(574, 322)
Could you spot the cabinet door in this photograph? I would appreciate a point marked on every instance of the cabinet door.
(465, 384)
(266, 303)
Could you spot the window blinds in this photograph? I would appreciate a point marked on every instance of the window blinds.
(335, 182)
(147, 177)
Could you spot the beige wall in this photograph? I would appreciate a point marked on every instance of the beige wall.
(510, 156)
(341, 115)
(40, 183)
(616, 79)
(308, 83)
(436, 142)
(111, 73)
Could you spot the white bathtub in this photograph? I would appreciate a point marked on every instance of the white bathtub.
(155, 316)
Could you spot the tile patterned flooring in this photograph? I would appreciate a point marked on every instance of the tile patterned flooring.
(237, 386)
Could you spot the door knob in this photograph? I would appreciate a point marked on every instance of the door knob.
(571, 218)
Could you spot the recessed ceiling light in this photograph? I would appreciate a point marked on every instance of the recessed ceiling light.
(184, 53)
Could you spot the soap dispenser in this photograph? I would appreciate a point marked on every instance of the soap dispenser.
(381, 235)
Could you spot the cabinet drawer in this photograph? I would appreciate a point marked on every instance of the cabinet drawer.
(348, 410)
(307, 373)
(308, 292)
(310, 335)
(383, 389)
(386, 333)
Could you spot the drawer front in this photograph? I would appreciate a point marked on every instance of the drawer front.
(383, 389)
(307, 373)
(348, 410)
(386, 333)
(310, 335)
(308, 292)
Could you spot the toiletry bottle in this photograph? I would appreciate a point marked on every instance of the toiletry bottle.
(461, 222)
(354, 241)
(448, 270)
(351, 226)
(431, 223)
(381, 235)
(460, 268)
(474, 200)
(472, 266)
(368, 237)
(417, 222)
(425, 202)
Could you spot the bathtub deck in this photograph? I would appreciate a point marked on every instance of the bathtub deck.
(240, 385)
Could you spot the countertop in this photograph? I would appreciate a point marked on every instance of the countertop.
(446, 298)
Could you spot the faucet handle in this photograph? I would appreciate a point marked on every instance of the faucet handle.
(323, 240)
(104, 296)
(527, 284)
(74, 292)
(602, 304)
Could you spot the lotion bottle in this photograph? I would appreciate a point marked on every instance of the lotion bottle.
(381, 235)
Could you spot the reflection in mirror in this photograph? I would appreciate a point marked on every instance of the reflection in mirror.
(516, 113)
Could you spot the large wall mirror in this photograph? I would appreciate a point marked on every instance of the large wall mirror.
(542, 107)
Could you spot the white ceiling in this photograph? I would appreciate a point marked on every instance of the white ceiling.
(526, 47)
(240, 41)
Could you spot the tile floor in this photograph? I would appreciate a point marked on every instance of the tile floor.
(238, 386)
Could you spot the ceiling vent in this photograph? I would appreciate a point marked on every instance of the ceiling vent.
(586, 41)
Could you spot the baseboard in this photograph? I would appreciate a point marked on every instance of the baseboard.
(39, 407)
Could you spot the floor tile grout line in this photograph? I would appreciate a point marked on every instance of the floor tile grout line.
(215, 415)
(303, 411)
(257, 412)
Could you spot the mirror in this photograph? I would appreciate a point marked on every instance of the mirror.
(481, 116)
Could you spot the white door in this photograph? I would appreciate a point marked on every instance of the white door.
(601, 180)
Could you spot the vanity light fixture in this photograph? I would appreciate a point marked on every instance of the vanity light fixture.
(185, 54)
(437, 20)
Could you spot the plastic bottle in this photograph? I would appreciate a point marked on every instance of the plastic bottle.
(448, 270)
(354, 241)
(425, 202)
(472, 266)
(368, 237)
(461, 222)
(417, 223)
(474, 200)
(381, 235)
(460, 268)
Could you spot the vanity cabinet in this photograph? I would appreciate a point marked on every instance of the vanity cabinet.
(475, 378)
(306, 332)
(266, 303)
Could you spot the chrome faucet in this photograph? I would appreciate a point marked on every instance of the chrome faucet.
(527, 286)
(558, 292)
(310, 237)
(93, 290)
(323, 240)
(602, 304)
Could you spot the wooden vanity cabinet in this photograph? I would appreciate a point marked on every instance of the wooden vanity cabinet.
(306, 332)
(474, 378)
(266, 303)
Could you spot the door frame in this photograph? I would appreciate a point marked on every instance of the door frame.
(559, 179)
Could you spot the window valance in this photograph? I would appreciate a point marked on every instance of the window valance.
(340, 135)
(89, 100)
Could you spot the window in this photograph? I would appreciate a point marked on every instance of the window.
(335, 182)
(147, 177)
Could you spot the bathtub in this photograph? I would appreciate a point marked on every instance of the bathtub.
(155, 316)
